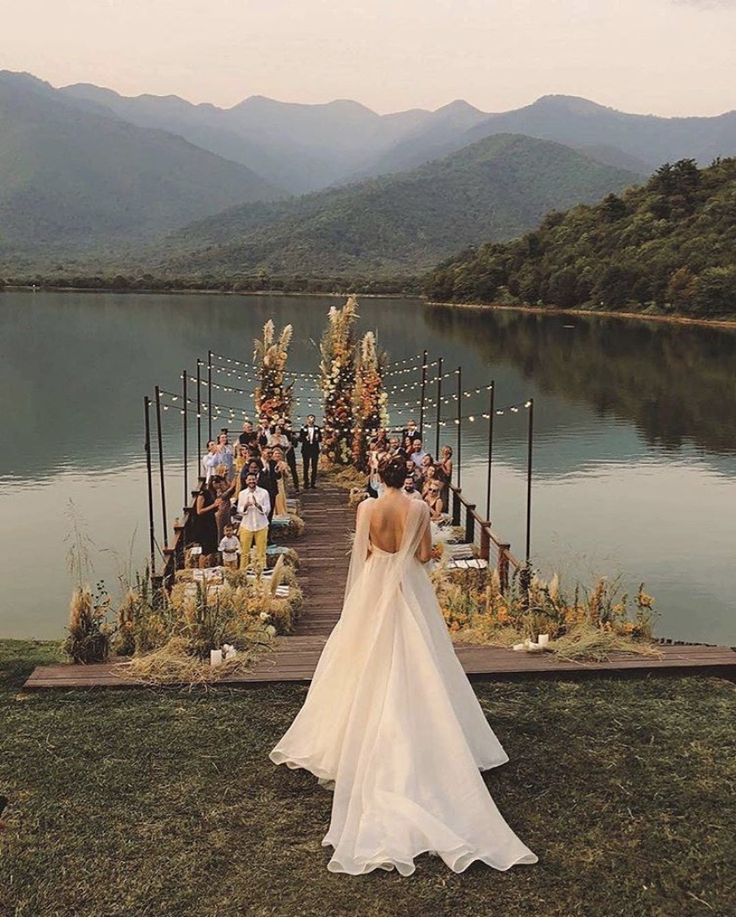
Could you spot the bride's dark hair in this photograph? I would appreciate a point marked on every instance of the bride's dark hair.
(393, 471)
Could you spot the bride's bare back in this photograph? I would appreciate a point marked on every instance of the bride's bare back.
(388, 523)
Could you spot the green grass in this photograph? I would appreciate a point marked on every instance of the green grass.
(143, 802)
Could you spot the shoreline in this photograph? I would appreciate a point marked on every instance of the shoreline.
(599, 313)
(729, 323)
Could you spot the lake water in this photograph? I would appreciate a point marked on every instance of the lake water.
(635, 446)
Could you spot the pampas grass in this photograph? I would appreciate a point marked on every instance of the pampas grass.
(586, 642)
(88, 639)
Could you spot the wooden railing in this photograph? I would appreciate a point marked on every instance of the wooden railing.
(479, 532)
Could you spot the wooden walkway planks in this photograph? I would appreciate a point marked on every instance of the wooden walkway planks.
(324, 554)
(295, 658)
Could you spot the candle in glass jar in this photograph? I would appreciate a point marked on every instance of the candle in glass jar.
(215, 657)
(543, 639)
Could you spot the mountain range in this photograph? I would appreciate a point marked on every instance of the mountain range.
(496, 188)
(85, 171)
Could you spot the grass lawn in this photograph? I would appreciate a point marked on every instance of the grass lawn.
(147, 802)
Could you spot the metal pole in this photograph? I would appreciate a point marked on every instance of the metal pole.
(149, 476)
(209, 393)
(491, 414)
(529, 480)
(424, 393)
(459, 422)
(439, 407)
(161, 465)
(199, 409)
(186, 450)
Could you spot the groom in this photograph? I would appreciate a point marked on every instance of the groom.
(310, 437)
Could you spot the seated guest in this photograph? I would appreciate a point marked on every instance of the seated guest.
(229, 547)
(410, 488)
(433, 499)
(413, 471)
(254, 505)
(429, 478)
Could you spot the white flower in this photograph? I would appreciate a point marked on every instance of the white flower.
(264, 616)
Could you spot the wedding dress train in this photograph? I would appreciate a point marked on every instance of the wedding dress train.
(392, 724)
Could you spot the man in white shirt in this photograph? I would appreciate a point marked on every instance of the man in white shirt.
(254, 504)
(418, 452)
(210, 460)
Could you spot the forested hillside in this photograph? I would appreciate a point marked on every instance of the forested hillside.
(669, 245)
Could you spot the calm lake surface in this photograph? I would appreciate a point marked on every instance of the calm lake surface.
(635, 447)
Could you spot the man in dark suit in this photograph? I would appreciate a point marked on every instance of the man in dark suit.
(269, 477)
(310, 437)
(291, 452)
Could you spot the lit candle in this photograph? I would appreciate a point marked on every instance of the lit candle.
(215, 657)
(543, 639)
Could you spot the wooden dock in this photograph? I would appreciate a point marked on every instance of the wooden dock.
(324, 553)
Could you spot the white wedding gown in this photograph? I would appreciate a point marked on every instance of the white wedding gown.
(392, 724)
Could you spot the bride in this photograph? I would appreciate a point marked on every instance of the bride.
(390, 721)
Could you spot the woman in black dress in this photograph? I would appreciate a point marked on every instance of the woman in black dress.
(204, 528)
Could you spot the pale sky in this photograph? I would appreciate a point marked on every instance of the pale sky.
(667, 57)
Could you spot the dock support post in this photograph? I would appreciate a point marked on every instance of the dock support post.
(424, 394)
(185, 393)
(149, 477)
(209, 394)
(439, 407)
(459, 424)
(491, 409)
(199, 410)
(161, 466)
(530, 440)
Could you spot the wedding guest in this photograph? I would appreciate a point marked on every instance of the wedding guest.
(226, 454)
(282, 469)
(429, 478)
(241, 461)
(426, 463)
(417, 451)
(210, 460)
(204, 523)
(262, 431)
(291, 453)
(270, 477)
(410, 488)
(413, 471)
(394, 445)
(433, 499)
(277, 437)
(254, 505)
(249, 436)
(224, 492)
(310, 437)
(229, 547)
(445, 463)
(410, 431)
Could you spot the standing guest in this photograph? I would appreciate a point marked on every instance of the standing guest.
(229, 547)
(382, 440)
(225, 451)
(310, 436)
(249, 436)
(407, 445)
(262, 431)
(433, 499)
(426, 463)
(291, 453)
(210, 460)
(282, 469)
(270, 477)
(410, 431)
(254, 504)
(204, 524)
(255, 466)
(444, 472)
(394, 445)
(224, 493)
(239, 464)
(277, 437)
(410, 488)
(417, 451)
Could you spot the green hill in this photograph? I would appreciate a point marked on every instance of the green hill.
(668, 245)
(398, 224)
(70, 177)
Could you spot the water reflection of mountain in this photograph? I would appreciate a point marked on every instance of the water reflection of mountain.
(676, 383)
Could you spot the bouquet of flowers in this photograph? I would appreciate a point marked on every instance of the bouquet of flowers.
(337, 370)
(272, 396)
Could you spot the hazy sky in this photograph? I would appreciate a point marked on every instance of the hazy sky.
(669, 57)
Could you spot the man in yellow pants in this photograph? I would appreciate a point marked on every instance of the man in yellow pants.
(254, 504)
